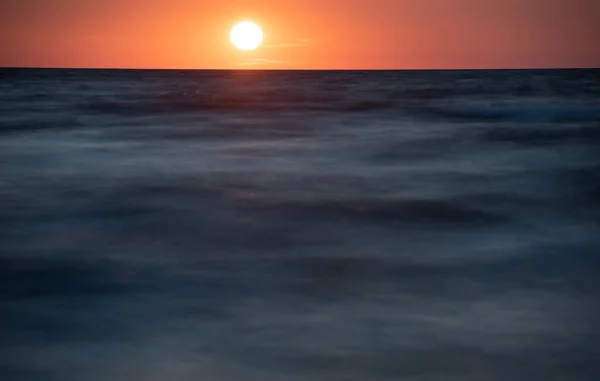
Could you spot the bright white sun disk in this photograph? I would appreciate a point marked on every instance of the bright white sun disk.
(246, 36)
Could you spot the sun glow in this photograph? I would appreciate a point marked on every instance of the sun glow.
(246, 36)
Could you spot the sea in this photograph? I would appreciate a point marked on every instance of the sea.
(179, 225)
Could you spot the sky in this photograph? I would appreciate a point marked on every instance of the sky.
(301, 34)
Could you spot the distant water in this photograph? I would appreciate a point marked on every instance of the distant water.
(335, 226)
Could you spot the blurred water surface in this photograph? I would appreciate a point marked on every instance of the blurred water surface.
(220, 225)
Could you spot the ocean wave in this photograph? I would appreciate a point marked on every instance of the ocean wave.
(523, 114)
(429, 107)
(37, 124)
(542, 135)
(23, 278)
(390, 212)
(232, 104)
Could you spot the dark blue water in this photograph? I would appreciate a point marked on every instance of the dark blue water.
(198, 225)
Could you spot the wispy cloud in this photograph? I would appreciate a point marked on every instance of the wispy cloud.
(260, 61)
(299, 43)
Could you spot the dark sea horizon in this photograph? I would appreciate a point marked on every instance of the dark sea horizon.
(227, 225)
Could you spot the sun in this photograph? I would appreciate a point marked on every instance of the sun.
(246, 36)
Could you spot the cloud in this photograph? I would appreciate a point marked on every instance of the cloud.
(299, 43)
(260, 61)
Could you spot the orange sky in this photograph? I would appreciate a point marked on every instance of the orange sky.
(301, 34)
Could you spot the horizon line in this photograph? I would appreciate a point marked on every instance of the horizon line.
(295, 69)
